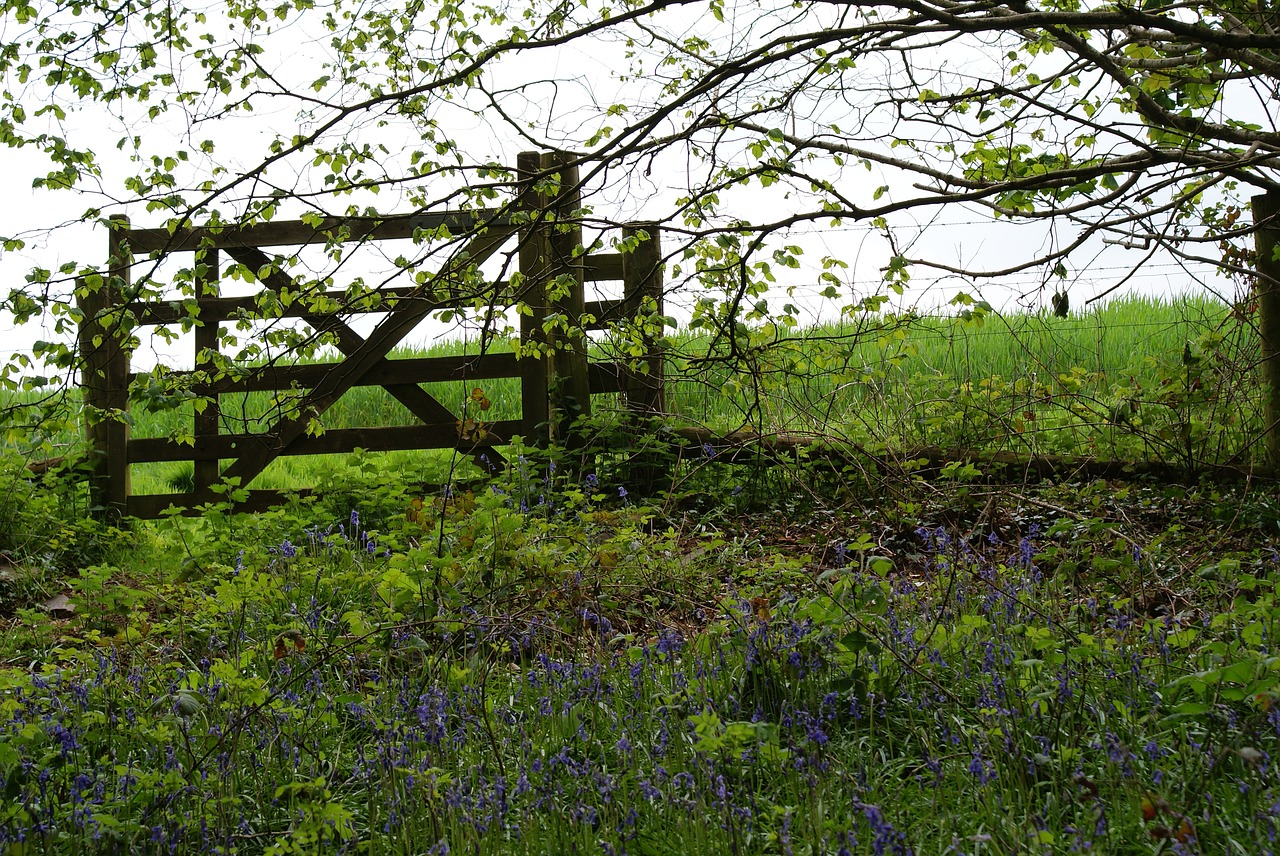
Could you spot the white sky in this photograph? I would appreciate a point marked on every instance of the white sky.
(583, 82)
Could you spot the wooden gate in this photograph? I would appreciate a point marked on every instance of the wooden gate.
(556, 382)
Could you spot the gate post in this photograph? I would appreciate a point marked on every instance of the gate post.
(571, 392)
(206, 473)
(1266, 220)
(105, 376)
(642, 280)
(534, 264)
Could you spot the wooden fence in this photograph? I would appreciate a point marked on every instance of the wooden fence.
(554, 387)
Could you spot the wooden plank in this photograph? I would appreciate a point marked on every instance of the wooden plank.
(224, 308)
(413, 370)
(294, 233)
(332, 442)
(151, 506)
(642, 275)
(606, 312)
(120, 260)
(608, 377)
(149, 313)
(93, 338)
(602, 266)
(371, 351)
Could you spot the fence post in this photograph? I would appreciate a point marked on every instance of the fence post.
(105, 376)
(571, 386)
(642, 280)
(206, 473)
(534, 264)
(1266, 219)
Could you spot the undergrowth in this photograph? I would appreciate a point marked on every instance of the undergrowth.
(547, 665)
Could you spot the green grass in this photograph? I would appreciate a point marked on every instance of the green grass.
(1131, 379)
(1117, 342)
(1108, 381)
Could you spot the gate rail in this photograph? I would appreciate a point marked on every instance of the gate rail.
(554, 386)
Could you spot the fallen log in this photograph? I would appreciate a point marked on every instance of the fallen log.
(39, 468)
(928, 461)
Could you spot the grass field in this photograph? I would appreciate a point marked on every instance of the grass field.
(1112, 381)
(976, 382)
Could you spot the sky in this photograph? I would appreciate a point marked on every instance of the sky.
(583, 80)
(959, 237)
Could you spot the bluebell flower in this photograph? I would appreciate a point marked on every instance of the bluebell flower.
(886, 838)
(978, 768)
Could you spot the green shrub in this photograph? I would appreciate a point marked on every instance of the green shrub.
(45, 520)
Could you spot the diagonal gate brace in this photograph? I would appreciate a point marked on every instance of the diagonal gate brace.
(418, 401)
(363, 356)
